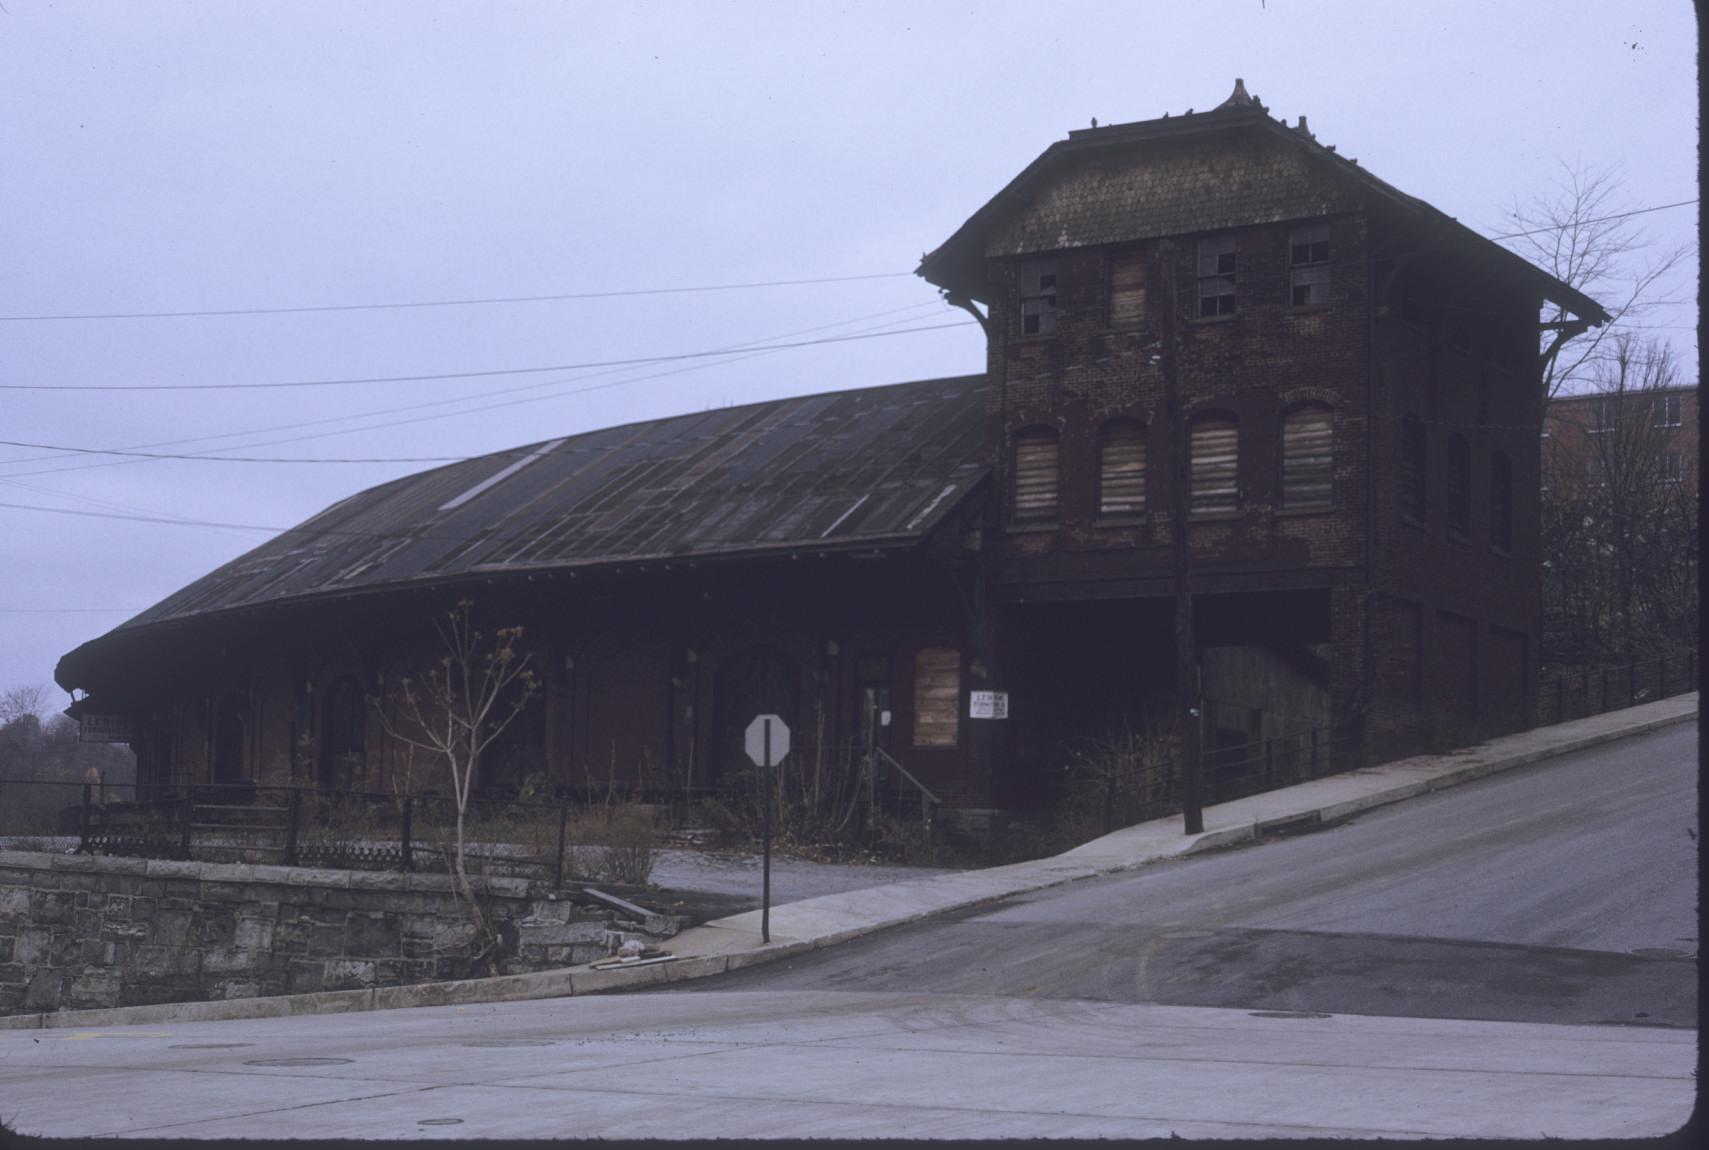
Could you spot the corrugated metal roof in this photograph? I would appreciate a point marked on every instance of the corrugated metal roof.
(880, 466)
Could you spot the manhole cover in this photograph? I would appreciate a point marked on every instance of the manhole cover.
(439, 1122)
(501, 1042)
(298, 1061)
(208, 1045)
(1661, 952)
(1289, 1014)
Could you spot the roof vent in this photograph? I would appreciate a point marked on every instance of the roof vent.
(1238, 98)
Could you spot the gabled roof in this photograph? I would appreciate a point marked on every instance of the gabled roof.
(957, 263)
(875, 468)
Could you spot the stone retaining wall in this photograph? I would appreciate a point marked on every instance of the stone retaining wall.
(82, 931)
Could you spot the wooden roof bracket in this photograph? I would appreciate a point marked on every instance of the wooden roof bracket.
(1564, 329)
(956, 299)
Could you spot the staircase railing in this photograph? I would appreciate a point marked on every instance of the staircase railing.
(929, 802)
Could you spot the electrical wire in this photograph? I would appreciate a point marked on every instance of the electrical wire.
(430, 377)
(632, 379)
(473, 302)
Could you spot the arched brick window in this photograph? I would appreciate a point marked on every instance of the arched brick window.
(1036, 477)
(1214, 455)
(343, 736)
(1121, 468)
(1501, 501)
(1413, 474)
(1457, 487)
(1308, 458)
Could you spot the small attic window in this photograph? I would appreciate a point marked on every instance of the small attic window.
(1216, 276)
(1308, 261)
(1038, 297)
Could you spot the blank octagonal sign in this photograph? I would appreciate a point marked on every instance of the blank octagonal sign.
(754, 740)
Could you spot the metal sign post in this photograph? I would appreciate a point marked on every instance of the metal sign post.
(767, 742)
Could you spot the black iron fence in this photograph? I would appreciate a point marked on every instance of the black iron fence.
(1266, 763)
(300, 826)
(1584, 691)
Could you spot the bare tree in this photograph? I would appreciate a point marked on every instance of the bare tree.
(1581, 232)
(1619, 530)
(457, 708)
(30, 699)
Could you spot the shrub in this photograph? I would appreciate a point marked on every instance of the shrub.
(1114, 782)
(624, 839)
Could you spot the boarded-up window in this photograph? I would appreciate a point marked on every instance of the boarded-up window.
(1036, 482)
(937, 697)
(1457, 489)
(1500, 502)
(1127, 289)
(1215, 462)
(1413, 472)
(1308, 458)
(1121, 469)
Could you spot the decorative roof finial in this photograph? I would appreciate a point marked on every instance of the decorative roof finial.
(1238, 98)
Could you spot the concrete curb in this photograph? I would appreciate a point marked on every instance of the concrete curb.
(574, 981)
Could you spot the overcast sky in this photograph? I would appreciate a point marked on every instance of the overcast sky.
(169, 157)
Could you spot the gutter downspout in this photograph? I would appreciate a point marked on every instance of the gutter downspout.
(1369, 675)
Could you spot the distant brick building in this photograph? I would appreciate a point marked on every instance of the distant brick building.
(1582, 432)
(1362, 408)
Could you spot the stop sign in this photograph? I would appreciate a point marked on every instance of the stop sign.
(755, 740)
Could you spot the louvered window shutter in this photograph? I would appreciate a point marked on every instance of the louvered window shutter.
(1036, 480)
(1215, 465)
(1127, 290)
(1121, 470)
(1308, 459)
(937, 697)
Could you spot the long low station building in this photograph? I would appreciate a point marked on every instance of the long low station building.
(974, 573)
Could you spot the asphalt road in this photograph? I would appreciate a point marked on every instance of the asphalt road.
(1563, 892)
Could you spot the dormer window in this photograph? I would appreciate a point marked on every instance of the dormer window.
(1308, 263)
(1216, 276)
(1038, 297)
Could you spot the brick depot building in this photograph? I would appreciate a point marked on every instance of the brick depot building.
(1361, 415)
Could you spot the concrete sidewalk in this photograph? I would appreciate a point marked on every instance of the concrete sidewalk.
(734, 942)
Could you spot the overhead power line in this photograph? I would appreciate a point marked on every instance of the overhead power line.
(1597, 220)
(68, 449)
(69, 610)
(473, 302)
(741, 351)
(488, 372)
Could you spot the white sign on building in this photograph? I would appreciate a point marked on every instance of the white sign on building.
(103, 729)
(988, 705)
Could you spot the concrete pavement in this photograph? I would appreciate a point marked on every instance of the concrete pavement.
(800, 1064)
(734, 942)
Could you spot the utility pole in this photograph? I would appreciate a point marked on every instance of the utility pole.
(1186, 642)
